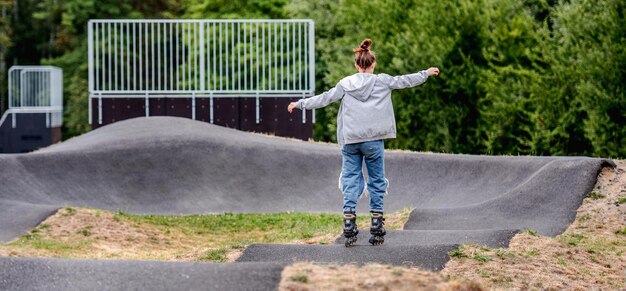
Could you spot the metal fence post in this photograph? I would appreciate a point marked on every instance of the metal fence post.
(258, 108)
(90, 62)
(211, 107)
(201, 42)
(146, 104)
(312, 57)
(100, 108)
(193, 106)
(303, 112)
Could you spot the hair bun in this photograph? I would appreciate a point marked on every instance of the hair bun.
(364, 58)
(365, 45)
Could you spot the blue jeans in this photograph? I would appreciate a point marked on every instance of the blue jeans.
(352, 180)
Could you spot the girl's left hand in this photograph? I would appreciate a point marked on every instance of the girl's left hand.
(291, 106)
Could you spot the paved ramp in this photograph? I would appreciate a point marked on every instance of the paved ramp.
(165, 165)
(432, 257)
(62, 274)
(421, 248)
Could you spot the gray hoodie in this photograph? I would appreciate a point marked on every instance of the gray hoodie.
(366, 112)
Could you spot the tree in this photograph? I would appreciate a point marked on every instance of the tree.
(71, 40)
(5, 43)
(586, 109)
(539, 77)
(512, 82)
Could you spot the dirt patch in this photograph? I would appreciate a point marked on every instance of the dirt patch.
(308, 276)
(95, 234)
(588, 255)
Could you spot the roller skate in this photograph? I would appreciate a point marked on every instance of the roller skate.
(350, 230)
(377, 230)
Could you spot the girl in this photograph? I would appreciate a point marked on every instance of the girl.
(364, 120)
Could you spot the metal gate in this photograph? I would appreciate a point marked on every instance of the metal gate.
(35, 89)
(200, 59)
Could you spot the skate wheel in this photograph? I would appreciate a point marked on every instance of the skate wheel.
(377, 240)
(350, 241)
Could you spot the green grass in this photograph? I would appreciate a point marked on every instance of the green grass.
(533, 253)
(502, 254)
(220, 233)
(584, 217)
(595, 195)
(229, 231)
(84, 232)
(217, 255)
(485, 273)
(300, 278)
(531, 232)
(572, 239)
(462, 253)
(35, 241)
(68, 211)
(118, 215)
(456, 253)
(590, 244)
(481, 258)
(275, 227)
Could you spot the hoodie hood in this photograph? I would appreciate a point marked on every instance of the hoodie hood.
(359, 85)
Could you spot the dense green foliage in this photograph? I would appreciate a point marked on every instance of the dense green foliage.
(540, 77)
(518, 77)
(5, 43)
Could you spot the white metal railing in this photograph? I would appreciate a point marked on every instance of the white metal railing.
(35, 89)
(200, 58)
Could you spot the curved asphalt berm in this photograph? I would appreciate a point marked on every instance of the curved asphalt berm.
(166, 165)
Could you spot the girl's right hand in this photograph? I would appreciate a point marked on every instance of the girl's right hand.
(291, 106)
(433, 71)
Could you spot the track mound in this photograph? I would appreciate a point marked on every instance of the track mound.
(166, 165)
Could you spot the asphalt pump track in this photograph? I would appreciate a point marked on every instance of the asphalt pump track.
(167, 165)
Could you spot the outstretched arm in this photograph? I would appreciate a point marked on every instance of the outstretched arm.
(410, 80)
(318, 101)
